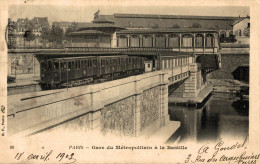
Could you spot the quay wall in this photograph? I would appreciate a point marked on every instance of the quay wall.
(229, 63)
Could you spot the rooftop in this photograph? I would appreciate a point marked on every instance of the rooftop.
(150, 30)
(88, 32)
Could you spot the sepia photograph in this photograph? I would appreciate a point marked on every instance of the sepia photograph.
(112, 82)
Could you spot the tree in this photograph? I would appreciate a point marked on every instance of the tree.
(11, 41)
(176, 26)
(72, 28)
(29, 35)
(56, 35)
(45, 35)
(196, 25)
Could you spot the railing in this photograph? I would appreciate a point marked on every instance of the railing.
(141, 49)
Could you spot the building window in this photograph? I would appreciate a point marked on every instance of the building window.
(160, 41)
(209, 40)
(222, 34)
(248, 25)
(199, 40)
(230, 33)
(122, 41)
(147, 41)
(134, 41)
(173, 41)
(187, 40)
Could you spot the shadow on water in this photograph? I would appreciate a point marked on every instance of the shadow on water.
(217, 116)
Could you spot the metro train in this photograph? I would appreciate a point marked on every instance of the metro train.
(75, 71)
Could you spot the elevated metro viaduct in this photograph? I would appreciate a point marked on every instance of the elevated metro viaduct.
(132, 106)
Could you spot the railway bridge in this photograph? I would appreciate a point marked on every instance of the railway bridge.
(132, 106)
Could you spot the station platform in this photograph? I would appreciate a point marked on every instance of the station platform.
(23, 82)
(22, 86)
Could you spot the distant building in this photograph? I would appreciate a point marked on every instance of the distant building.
(22, 25)
(241, 27)
(224, 25)
(65, 25)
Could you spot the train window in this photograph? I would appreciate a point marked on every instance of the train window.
(95, 63)
(55, 65)
(62, 66)
(49, 65)
(43, 66)
(69, 65)
(107, 62)
(82, 63)
(102, 63)
(88, 63)
(78, 64)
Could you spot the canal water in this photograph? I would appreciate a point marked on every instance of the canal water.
(220, 115)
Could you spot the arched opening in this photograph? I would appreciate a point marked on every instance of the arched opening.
(147, 41)
(199, 41)
(160, 41)
(209, 40)
(231, 33)
(187, 40)
(122, 41)
(222, 35)
(174, 41)
(134, 41)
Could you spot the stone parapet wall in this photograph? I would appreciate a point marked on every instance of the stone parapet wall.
(121, 105)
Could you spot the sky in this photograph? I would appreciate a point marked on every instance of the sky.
(85, 13)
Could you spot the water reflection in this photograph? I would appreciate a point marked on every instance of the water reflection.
(222, 115)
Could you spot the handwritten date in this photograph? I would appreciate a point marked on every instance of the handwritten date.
(61, 157)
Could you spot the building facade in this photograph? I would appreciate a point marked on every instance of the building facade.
(224, 25)
(22, 26)
(242, 30)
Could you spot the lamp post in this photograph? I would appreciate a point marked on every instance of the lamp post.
(15, 67)
(67, 78)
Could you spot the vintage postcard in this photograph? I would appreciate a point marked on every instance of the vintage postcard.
(130, 81)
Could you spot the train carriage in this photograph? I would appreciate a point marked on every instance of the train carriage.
(73, 71)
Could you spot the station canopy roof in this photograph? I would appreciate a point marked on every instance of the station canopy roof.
(165, 30)
(88, 32)
(99, 25)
